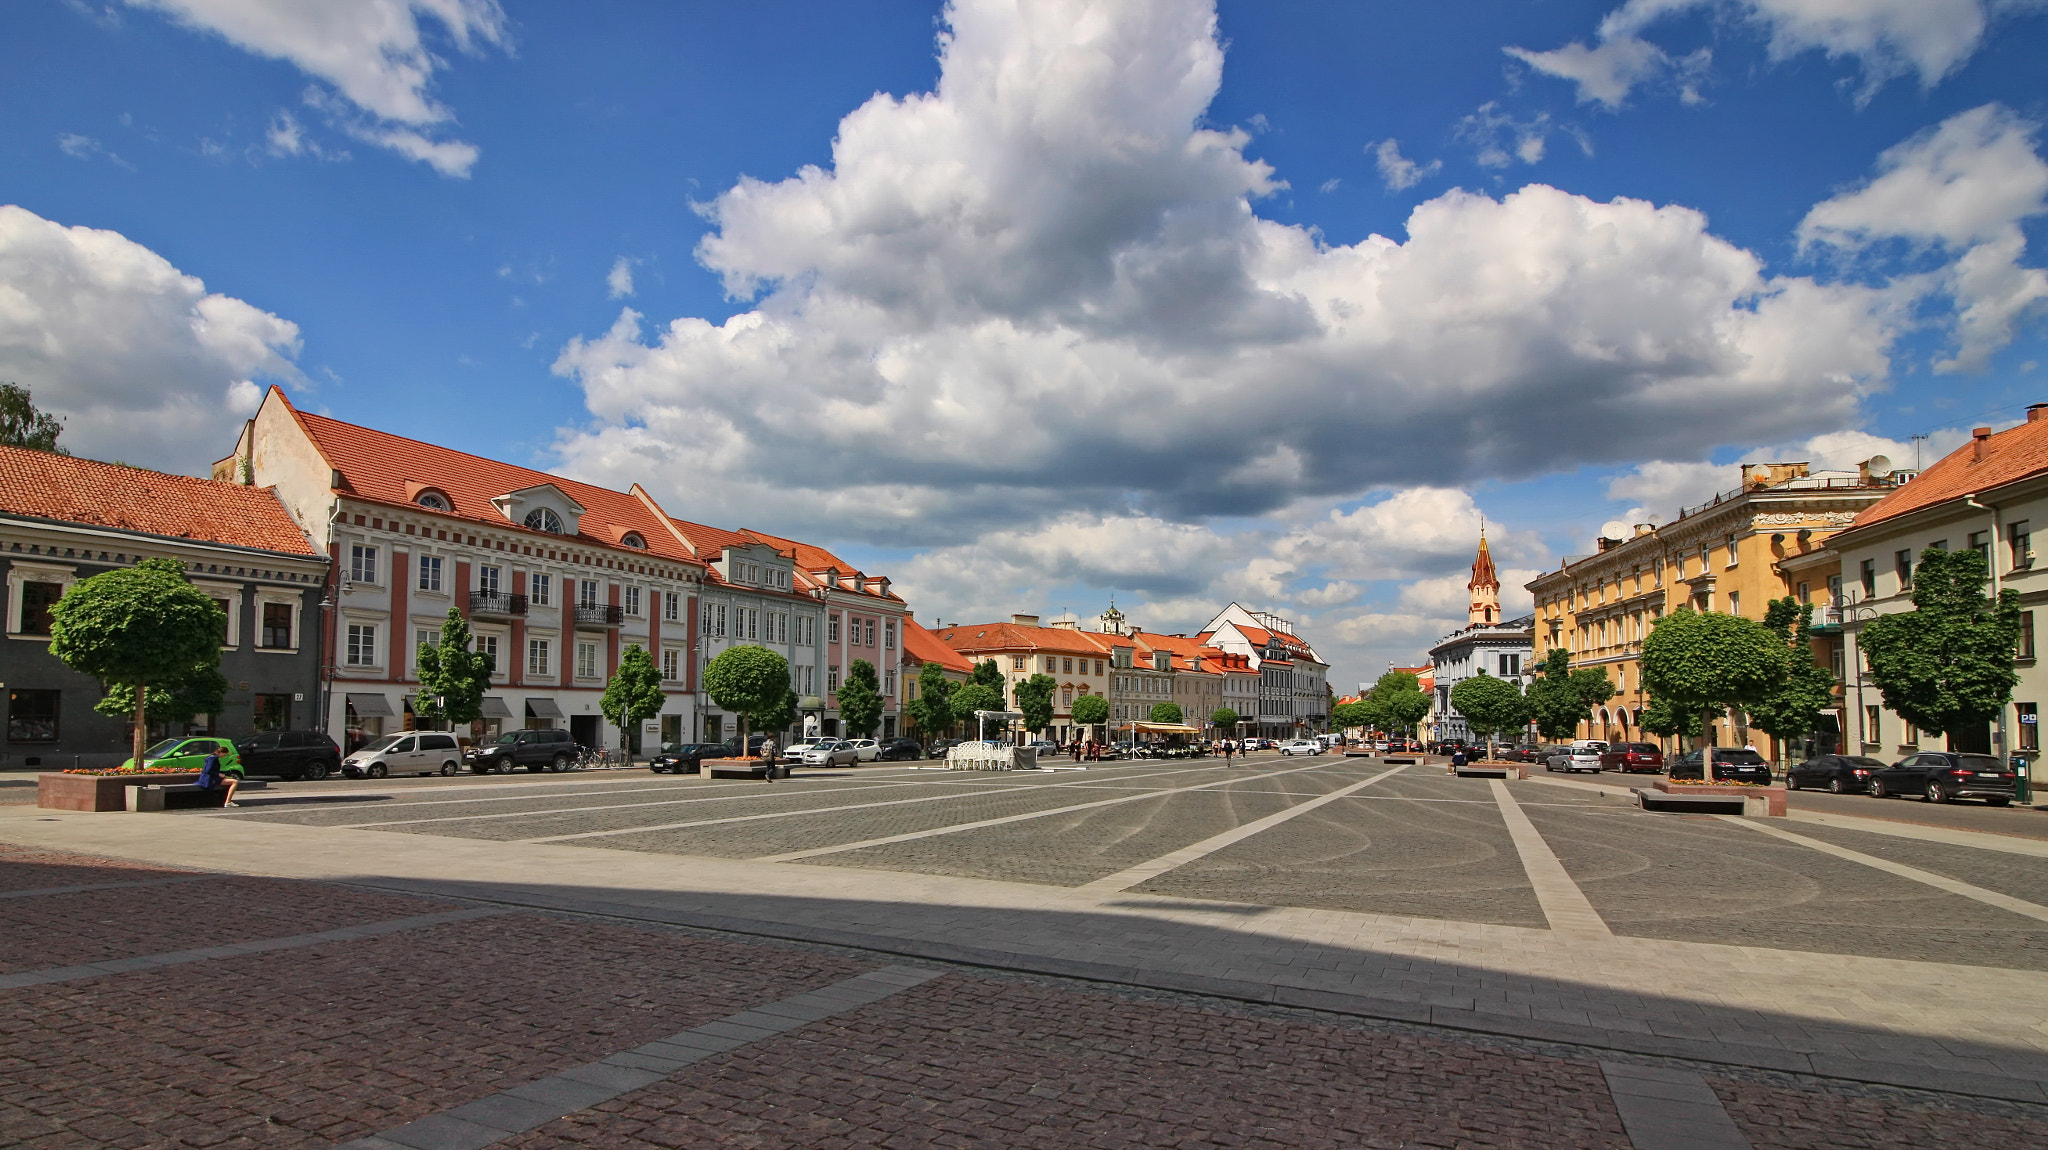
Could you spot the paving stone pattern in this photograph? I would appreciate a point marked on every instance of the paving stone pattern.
(1776, 1118)
(39, 869)
(2020, 876)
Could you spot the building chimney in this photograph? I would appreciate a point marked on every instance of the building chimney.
(1979, 437)
(1024, 620)
(2037, 411)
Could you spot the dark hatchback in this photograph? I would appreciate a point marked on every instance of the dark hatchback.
(289, 754)
(1841, 774)
(899, 750)
(687, 758)
(1629, 758)
(1940, 776)
(1731, 765)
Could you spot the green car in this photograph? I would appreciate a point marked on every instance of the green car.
(188, 753)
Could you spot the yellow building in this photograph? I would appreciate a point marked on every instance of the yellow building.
(1735, 553)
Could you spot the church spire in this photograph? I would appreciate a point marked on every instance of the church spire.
(1485, 585)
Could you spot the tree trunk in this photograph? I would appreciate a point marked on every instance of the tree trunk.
(141, 721)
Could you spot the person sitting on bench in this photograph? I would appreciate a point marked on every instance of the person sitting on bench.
(212, 778)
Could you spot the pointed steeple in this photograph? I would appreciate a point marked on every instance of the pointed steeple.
(1485, 585)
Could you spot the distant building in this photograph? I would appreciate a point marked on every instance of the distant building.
(1294, 681)
(1487, 644)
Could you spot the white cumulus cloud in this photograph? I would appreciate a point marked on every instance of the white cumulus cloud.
(1399, 172)
(138, 358)
(619, 281)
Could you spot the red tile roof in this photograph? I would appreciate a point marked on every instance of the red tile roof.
(64, 487)
(921, 646)
(2008, 456)
(1483, 574)
(392, 469)
(811, 557)
(980, 637)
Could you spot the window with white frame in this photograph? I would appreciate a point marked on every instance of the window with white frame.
(718, 621)
(672, 665)
(536, 656)
(832, 677)
(540, 589)
(430, 572)
(586, 592)
(586, 660)
(362, 645)
(889, 635)
(487, 580)
(488, 645)
(362, 563)
(888, 682)
(425, 637)
(753, 622)
(631, 595)
(277, 613)
(831, 628)
(671, 607)
(871, 633)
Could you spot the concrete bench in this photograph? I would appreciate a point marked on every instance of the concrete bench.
(1733, 804)
(175, 797)
(738, 769)
(1490, 771)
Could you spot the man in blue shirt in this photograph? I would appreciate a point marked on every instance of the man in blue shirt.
(213, 778)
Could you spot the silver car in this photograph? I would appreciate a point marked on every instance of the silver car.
(830, 753)
(1583, 755)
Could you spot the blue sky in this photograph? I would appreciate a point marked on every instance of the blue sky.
(1026, 304)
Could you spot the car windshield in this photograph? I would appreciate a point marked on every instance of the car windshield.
(380, 744)
(162, 749)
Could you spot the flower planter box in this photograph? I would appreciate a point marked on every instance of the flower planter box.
(60, 792)
(733, 769)
(1771, 798)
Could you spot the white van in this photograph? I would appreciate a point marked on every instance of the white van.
(406, 753)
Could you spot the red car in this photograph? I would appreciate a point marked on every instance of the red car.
(1632, 757)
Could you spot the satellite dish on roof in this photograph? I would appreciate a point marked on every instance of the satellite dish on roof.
(1614, 529)
(1880, 466)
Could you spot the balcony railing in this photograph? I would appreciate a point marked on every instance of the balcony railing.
(598, 617)
(492, 603)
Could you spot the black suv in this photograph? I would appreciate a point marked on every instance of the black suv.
(1731, 765)
(534, 750)
(688, 758)
(899, 750)
(289, 754)
(1939, 776)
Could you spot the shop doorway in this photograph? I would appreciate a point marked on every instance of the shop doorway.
(584, 729)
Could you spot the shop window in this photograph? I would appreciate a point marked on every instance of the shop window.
(32, 716)
(273, 712)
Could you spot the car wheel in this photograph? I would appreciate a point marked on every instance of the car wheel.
(448, 769)
(1934, 793)
(1877, 790)
(1835, 787)
(377, 771)
(1791, 782)
(1998, 802)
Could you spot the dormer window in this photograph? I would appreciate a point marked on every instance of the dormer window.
(629, 539)
(432, 500)
(544, 519)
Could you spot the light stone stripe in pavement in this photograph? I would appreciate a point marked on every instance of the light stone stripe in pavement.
(43, 890)
(534, 1104)
(1991, 897)
(236, 949)
(1132, 876)
(980, 824)
(1563, 903)
(828, 810)
(751, 794)
(1666, 1108)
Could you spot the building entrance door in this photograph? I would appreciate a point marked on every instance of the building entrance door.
(583, 729)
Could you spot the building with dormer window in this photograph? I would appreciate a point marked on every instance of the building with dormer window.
(864, 619)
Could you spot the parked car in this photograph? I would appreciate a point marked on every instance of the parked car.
(793, 753)
(1943, 776)
(867, 749)
(1842, 774)
(289, 754)
(900, 750)
(535, 750)
(1582, 755)
(828, 753)
(1630, 758)
(1512, 754)
(1731, 764)
(688, 758)
(1302, 747)
(188, 753)
(408, 753)
(1044, 747)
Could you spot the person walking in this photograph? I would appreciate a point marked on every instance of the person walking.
(213, 778)
(768, 757)
(1227, 751)
(1076, 748)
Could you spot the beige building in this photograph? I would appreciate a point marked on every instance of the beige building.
(1735, 553)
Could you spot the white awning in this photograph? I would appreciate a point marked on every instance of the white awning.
(543, 709)
(370, 706)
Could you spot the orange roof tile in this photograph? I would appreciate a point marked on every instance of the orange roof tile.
(921, 646)
(392, 469)
(811, 557)
(980, 637)
(2008, 456)
(64, 487)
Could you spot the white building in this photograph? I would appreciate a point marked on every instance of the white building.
(1294, 681)
(1487, 644)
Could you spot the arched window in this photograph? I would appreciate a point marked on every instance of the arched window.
(432, 500)
(544, 519)
(632, 539)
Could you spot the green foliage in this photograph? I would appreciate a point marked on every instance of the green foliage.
(1222, 718)
(135, 627)
(1660, 719)
(1034, 701)
(1347, 715)
(971, 697)
(1396, 702)
(200, 691)
(1793, 710)
(988, 674)
(1404, 709)
(1555, 703)
(752, 682)
(633, 696)
(21, 425)
(1705, 660)
(1166, 712)
(932, 710)
(860, 699)
(1091, 710)
(453, 676)
(1491, 706)
(1948, 663)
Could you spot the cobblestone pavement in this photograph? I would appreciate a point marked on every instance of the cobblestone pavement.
(321, 1045)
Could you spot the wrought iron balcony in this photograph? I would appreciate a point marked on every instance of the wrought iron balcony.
(492, 603)
(598, 618)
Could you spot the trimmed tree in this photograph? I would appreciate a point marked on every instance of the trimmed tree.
(21, 425)
(753, 683)
(1223, 719)
(1558, 697)
(136, 627)
(1091, 710)
(453, 677)
(1793, 710)
(633, 696)
(1347, 715)
(1947, 663)
(1396, 701)
(1490, 705)
(932, 710)
(1704, 661)
(201, 691)
(987, 674)
(1034, 700)
(972, 697)
(860, 699)
(1166, 713)
(1660, 718)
